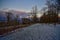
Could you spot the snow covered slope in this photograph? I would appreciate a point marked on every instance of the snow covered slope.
(35, 32)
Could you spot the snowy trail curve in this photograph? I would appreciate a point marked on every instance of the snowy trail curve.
(35, 32)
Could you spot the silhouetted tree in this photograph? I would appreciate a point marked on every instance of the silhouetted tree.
(9, 15)
(34, 13)
(58, 4)
(52, 16)
(16, 20)
(52, 10)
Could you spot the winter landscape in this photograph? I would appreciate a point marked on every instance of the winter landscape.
(29, 19)
(35, 32)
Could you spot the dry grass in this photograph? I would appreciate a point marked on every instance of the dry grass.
(5, 30)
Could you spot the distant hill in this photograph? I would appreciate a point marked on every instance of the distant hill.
(21, 14)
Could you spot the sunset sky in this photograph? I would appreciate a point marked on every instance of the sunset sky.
(25, 5)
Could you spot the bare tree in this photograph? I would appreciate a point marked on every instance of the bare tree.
(16, 19)
(52, 10)
(9, 16)
(34, 13)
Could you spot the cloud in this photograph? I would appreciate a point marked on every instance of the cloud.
(22, 10)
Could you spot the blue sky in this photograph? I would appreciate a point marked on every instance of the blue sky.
(21, 4)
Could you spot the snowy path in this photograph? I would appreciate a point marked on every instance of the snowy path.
(35, 32)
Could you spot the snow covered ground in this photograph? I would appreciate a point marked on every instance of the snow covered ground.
(35, 32)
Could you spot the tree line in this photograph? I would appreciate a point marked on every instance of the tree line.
(50, 14)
